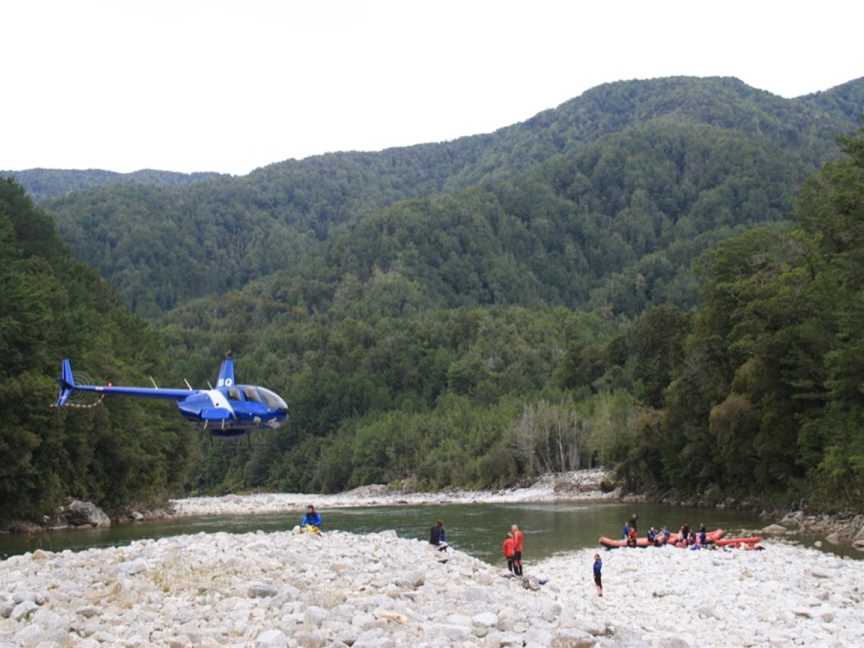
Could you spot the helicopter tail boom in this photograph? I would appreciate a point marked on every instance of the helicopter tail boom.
(67, 382)
(68, 386)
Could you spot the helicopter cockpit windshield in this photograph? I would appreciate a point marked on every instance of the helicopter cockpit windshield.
(251, 394)
(265, 397)
(271, 399)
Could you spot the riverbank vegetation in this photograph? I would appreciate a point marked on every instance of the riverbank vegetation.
(769, 395)
(53, 306)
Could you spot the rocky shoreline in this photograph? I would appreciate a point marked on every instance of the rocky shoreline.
(842, 529)
(77, 514)
(274, 590)
(574, 486)
(838, 529)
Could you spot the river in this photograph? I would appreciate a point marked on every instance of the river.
(550, 528)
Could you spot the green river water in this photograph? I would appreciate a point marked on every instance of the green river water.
(478, 529)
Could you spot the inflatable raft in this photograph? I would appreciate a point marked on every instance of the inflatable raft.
(739, 542)
(610, 543)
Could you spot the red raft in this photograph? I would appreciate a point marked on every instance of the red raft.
(609, 543)
(747, 543)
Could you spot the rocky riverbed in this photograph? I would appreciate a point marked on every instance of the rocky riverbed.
(572, 486)
(339, 589)
(844, 529)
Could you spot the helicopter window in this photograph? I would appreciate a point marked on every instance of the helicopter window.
(271, 400)
(252, 394)
(234, 394)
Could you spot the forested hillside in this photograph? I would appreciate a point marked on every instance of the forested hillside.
(766, 394)
(758, 391)
(42, 184)
(616, 226)
(162, 246)
(845, 101)
(52, 306)
(630, 279)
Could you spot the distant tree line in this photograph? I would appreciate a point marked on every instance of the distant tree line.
(52, 306)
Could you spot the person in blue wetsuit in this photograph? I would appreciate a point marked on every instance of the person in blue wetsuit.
(311, 521)
(598, 576)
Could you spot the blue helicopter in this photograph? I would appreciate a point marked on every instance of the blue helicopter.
(226, 411)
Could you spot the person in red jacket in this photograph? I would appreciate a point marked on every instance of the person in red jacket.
(518, 548)
(509, 548)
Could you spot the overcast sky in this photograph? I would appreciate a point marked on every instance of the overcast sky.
(229, 86)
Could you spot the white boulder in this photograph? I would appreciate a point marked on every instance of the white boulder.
(315, 616)
(483, 623)
(773, 529)
(572, 638)
(858, 540)
(78, 513)
(23, 610)
(132, 567)
(261, 590)
(271, 639)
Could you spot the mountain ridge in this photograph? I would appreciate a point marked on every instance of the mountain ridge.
(287, 209)
(853, 87)
(45, 183)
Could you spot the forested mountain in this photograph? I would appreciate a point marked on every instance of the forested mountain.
(758, 391)
(625, 279)
(52, 306)
(42, 184)
(845, 101)
(162, 246)
(615, 226)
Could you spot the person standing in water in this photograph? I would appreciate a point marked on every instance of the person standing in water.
(509, 548)
(598, 574)
(518, 548)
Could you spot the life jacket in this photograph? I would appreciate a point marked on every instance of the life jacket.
(519, 541)
(509, 547)
(311, 520)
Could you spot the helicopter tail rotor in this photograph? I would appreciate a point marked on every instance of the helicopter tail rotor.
(67, 383)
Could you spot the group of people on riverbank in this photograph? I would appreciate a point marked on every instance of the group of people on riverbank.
(512, 547)
(686, 536)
